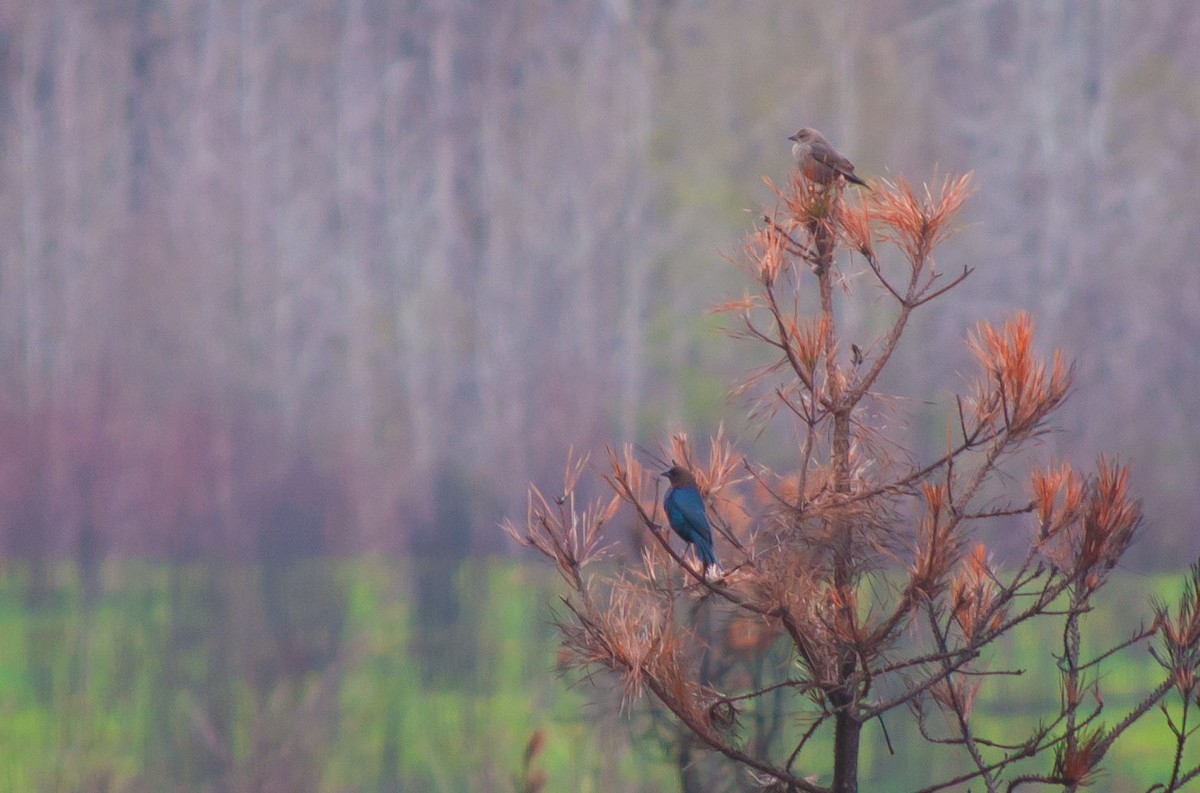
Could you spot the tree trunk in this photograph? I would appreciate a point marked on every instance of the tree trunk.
(846, 732)
(842, 698)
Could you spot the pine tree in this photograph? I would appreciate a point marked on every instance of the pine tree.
(856, 569)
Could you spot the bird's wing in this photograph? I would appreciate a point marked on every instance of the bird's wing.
(827, 156)
(689, 506)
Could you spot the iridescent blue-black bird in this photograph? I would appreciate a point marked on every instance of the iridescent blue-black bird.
(685, 512)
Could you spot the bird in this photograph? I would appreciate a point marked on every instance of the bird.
(685, 512)
(818, 161)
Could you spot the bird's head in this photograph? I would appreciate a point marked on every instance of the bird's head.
(805, 135)
(679, 476)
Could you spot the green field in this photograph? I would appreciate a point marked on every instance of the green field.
(320, 677)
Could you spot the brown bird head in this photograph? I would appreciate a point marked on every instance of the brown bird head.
(679, 476)
(806, 135)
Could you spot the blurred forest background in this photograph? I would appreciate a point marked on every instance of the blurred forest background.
(282, 281)
(383, 261)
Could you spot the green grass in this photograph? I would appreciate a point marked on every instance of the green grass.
(320, 677)
(176, 680)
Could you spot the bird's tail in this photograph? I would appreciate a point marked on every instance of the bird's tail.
(708, 557)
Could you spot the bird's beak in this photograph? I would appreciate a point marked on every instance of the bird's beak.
(793, 137)
(664, 473)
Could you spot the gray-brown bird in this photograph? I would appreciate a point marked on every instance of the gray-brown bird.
(818, 161)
